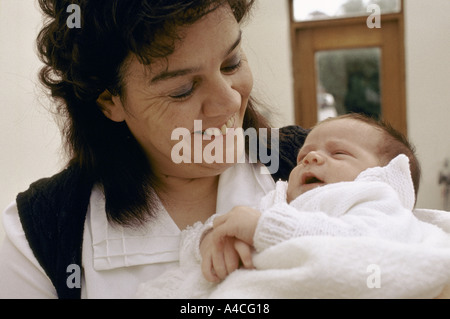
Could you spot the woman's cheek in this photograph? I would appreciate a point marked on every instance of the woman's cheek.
(245, 82)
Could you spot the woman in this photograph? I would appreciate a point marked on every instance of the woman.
(128, 78)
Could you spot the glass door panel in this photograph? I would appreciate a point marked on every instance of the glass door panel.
(307, 10)
(348, 81)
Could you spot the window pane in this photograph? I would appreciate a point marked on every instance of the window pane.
(305, 10)
(348, 81)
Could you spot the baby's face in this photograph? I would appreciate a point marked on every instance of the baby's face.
(335, 151)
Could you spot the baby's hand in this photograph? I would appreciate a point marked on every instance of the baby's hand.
(229, 243)
(217, 264)
(240, 222)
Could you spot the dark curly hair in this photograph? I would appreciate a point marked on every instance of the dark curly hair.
(81, 63)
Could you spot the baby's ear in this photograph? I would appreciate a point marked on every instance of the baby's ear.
(111, 106)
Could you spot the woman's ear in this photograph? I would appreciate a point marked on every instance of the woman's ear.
(111, 106)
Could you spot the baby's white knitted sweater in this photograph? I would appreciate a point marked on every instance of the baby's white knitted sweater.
(378, 203)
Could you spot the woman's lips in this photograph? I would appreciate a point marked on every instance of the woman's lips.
(214, 131)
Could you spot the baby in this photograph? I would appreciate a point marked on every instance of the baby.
(355, 177)
(337, 150)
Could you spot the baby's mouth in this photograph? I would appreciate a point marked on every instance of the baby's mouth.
(309, 178)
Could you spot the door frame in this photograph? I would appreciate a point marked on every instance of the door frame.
(349, 33)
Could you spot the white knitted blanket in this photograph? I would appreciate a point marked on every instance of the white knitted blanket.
(338, 267)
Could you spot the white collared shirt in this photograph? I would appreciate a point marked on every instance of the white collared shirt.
(117, 259)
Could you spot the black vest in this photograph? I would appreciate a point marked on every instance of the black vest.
(53, 211)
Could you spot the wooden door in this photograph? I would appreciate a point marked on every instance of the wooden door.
(311, 38)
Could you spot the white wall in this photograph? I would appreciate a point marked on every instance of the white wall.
(427, 29)
(30, 141)
(268, 49)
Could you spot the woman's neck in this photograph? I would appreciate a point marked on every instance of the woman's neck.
(189, 200)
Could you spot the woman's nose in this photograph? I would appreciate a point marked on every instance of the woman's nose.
(223, 99)
(313, 157)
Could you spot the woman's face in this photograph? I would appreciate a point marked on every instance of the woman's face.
(206, 79)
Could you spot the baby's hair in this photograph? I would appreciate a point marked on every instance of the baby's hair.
(394, 144)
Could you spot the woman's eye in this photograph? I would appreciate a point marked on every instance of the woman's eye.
(233, 67)
(183, 93)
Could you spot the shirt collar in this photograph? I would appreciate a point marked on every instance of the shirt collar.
(115, 246)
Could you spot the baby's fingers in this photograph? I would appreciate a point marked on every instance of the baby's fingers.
(219, 267)
(231, 256)
(225, 261)
(245, 253)
(208, 270)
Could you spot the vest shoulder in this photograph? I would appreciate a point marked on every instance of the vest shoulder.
(52, 212)
(51, 189)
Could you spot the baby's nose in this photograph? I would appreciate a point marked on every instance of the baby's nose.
(313, 157)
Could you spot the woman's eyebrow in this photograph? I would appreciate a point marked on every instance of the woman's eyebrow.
(165, 75)
(235, 44)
